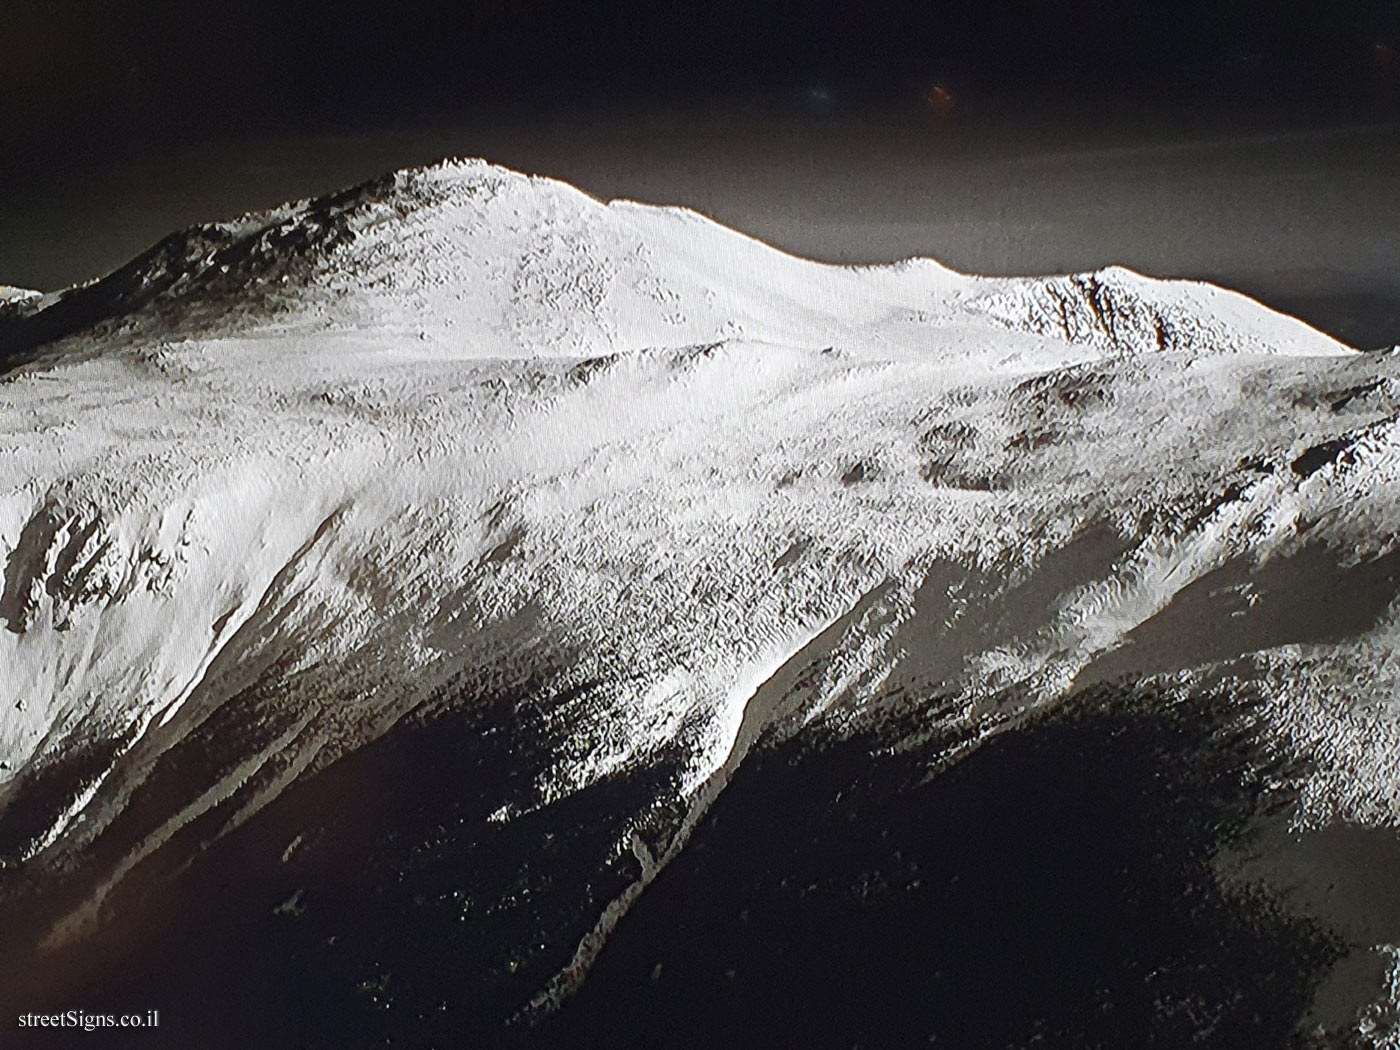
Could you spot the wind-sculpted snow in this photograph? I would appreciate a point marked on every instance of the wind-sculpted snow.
(625, 496)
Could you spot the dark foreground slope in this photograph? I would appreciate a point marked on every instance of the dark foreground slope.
(1056, 888)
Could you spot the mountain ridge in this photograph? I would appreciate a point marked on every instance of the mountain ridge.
(397, 251)
(600, 508)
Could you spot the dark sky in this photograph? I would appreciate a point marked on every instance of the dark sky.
(80, 78)
(1252, 142)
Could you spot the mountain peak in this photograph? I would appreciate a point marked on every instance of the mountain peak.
(447, 557)
(490, 262)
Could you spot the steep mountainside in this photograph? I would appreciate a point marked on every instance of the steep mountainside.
(398, 585)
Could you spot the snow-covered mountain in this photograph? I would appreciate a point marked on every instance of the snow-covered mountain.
(420, 569)
(498, 265)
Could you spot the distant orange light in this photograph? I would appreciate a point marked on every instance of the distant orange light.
(1382, 71)
(940, 106)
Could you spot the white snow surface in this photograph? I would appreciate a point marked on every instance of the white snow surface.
(463, 433)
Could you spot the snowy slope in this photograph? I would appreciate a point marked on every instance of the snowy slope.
(500, 265)
(283, 484)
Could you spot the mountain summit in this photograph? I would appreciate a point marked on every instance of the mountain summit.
(493, 615)
(500, 264)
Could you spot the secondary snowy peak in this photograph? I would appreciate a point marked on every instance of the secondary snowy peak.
(1116, 310)
(488, 262)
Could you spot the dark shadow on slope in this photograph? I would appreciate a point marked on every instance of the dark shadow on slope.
(195, 271)
(1054, 889)
(25, 562)
(374, 904)
(1320, 455)
(962, 610)
(44, 794)
(1237, 609)
(1055, 885)
(122, 292)
(1028, 605)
